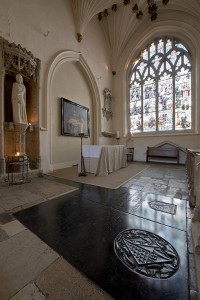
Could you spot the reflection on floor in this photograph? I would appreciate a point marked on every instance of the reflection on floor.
(133, 242)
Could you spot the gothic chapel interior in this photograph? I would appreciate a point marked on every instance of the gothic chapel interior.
(132, 69)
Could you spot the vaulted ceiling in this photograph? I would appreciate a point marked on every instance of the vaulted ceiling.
(120, 22)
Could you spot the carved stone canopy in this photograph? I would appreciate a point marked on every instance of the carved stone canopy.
(19, 60)
(107, 109)
(14, 59)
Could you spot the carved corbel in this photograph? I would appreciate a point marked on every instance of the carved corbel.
(79, 37)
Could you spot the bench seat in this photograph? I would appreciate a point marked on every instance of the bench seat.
(158, 153)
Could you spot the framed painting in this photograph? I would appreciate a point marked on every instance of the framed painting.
(74, 118)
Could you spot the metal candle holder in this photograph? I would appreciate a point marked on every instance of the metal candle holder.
(82, 173)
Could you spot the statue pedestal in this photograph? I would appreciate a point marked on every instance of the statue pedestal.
(20, 138)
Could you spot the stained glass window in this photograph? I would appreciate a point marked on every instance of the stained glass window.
(160, 88)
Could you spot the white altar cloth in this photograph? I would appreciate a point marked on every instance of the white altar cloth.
(104, 159)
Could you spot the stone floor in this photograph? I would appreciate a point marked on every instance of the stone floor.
(33, 269)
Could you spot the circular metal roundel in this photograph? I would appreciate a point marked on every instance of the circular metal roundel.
(146, 253)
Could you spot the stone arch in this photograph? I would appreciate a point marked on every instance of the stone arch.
(62, 58)
(70, 56)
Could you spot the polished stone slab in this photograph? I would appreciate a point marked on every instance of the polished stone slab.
(138, 203)
(82, 227)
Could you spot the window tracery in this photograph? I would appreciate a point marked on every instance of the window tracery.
(160, 88)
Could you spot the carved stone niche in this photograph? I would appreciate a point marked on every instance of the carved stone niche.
(17, 60)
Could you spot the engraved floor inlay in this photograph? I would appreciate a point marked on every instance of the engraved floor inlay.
(146, 253)
(163, 206)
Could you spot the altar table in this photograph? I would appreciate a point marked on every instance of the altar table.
(104, 159)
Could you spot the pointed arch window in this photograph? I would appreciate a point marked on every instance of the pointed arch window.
(160, 88)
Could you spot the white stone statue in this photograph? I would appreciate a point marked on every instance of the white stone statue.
(19, 101)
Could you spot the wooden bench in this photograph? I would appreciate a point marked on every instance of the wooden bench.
(164, 154)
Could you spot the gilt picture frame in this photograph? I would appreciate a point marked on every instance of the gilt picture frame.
(74, 119)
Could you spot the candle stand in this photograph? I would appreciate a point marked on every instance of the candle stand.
(82, 173)
(17, 169)
(117, 140)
